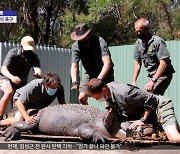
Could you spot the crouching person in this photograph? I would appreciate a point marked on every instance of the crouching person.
(37, 94)
(137, 105)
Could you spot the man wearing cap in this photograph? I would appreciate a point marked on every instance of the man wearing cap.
(152, 50)
(95, 57)
(15, 69)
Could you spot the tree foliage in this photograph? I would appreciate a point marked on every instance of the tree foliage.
(51, 21)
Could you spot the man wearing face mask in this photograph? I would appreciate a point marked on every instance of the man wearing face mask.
(130, 103)
(15, 69)
(95, 57)
(37, 94)
(152, 50)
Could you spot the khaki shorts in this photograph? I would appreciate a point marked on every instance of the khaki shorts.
(165, 112)
(162, 84)
(4, 83)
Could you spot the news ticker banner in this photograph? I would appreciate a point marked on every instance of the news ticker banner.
(8, 16)
(59, 146)
(82, 146)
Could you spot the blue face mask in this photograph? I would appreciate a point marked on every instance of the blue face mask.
(51, 91)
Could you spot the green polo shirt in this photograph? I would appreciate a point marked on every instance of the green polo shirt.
(91, 56)
(34, 96)
(19, 66)
(150, 53)
(130, 100)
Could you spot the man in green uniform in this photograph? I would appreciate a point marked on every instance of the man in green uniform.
(15, 70)
(152, 50)
(37, 94)
(135, 104)
(95, 57)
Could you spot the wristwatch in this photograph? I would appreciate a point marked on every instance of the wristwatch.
(154, 79)
(74, 82)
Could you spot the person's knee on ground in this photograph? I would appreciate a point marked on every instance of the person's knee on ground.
(7, 88)
(7, 96)
(83, 97)
(8, 92)
(172, 133)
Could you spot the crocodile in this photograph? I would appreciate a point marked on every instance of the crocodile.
(75, 120)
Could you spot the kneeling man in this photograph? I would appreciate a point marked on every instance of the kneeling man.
(136, 104)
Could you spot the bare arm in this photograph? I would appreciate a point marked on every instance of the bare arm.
(6, 73)
(106, 67)
(37, 72)
(74, 70)
(22, 109)
(137, 68)
(141, 121)
(162, 66)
